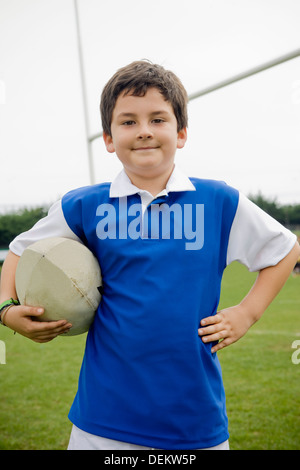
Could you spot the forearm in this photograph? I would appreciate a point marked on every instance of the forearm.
(267, 285)
(21, 318)
(7, 283)
(230, 324)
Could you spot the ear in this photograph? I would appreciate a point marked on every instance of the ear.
(181, 138)
(108, 143)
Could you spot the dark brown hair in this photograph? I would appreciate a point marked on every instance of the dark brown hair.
(136, 78)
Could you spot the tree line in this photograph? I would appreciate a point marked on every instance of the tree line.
(22, 220)
(13, 224)
(288, 214)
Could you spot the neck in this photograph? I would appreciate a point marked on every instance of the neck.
(154, 185)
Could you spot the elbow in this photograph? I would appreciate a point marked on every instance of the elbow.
(297, 248)
(296, 252)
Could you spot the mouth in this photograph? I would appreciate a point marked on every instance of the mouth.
(145, 148)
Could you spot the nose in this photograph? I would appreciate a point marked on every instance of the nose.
(144, 132)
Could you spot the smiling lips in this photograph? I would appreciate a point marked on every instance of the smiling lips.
(146, 148)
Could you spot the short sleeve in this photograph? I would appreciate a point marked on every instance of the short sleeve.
(53, 225)
(256, 239)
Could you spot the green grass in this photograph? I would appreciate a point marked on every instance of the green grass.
(39, 381)
(261, 381)
(38, 384)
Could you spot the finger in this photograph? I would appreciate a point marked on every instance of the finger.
(59, 329)
(32, 311)
(48, 335)
(221, 345)
(45, 331)
(211, 320)
(51, 326)
(208, 330)
(36, 312)
(214, 337)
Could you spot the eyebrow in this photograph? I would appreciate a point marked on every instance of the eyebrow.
(155, 113)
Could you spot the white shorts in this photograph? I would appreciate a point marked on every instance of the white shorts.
(81, 440)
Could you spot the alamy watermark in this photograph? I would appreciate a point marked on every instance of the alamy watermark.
(2, 353)
(296, 354)
(160, 220)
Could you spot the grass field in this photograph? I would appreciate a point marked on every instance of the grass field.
(38, 381)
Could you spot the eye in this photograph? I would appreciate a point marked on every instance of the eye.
(128, 123)
(158, 121)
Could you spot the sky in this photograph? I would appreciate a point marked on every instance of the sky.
(246, 134)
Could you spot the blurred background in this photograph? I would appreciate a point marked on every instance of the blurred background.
(246, 133)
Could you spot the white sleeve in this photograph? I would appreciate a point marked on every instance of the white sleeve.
(256, 239)
(53, 225)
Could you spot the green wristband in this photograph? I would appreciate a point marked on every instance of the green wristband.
(7, 303)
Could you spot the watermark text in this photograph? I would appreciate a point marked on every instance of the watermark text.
(158, 221)
(2, 353)
(296, 354)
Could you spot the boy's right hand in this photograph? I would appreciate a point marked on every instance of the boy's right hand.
(21, 319)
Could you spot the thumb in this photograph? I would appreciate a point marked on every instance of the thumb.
(33, 311)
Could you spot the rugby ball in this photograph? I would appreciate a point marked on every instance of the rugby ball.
(62, 276)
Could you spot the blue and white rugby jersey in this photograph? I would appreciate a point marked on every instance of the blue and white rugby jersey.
(146, 376)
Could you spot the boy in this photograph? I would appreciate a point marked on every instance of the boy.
(150, 376)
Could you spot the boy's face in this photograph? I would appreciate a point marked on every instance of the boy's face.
(144, 135)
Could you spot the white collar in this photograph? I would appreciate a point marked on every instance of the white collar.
(122, 186)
